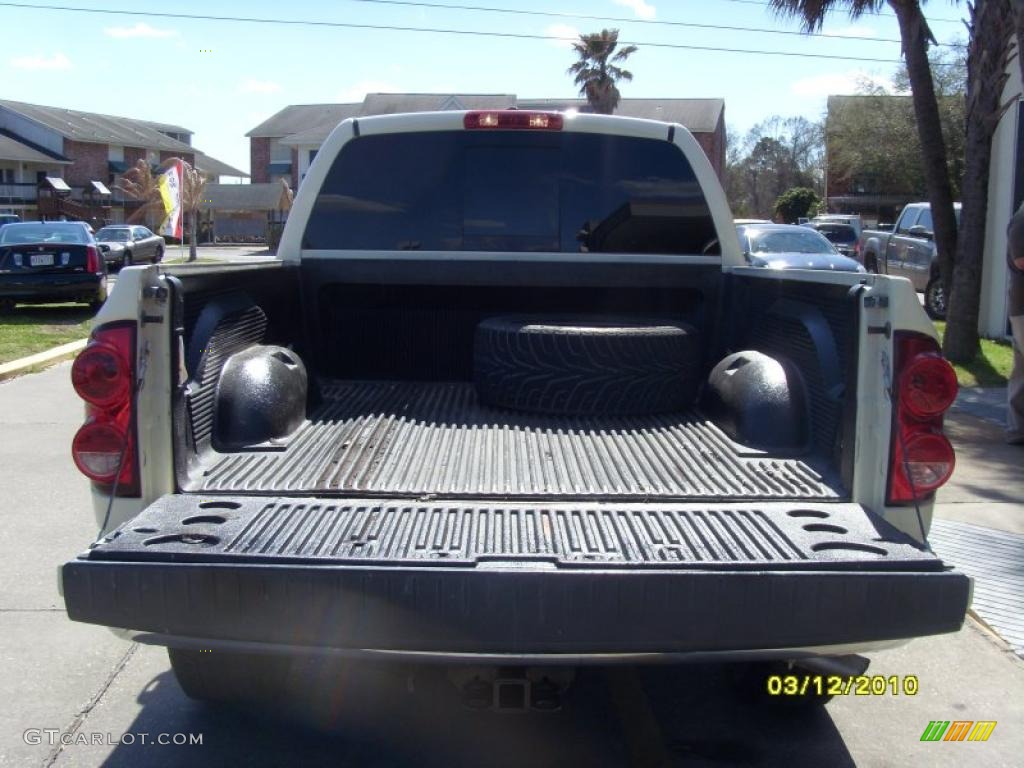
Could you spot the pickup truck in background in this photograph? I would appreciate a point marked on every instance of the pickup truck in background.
(510, 401)
(909, 251)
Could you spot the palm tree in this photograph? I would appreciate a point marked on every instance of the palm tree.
(989, 54)
(916, 37)
(192, 188)
(140, 183)
(1018, 17)
(596, 72)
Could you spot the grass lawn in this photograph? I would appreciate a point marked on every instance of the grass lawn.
(990, 368)
(30, 329)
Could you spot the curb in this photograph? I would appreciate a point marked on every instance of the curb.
(15, 367)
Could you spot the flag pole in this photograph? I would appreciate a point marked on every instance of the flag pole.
(181, 206)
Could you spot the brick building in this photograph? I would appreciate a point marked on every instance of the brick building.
(284, 145)
(85, 149)
(858, 191)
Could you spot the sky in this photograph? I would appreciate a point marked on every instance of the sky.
(222, 78)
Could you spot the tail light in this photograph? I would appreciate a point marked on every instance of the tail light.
(513, 119)
(92, 259)
(105, 448)
(921, 459)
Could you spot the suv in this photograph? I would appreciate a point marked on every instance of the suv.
(510, 398)
(849, 219)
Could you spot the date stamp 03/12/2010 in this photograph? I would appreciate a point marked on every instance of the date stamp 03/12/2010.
(837, 685)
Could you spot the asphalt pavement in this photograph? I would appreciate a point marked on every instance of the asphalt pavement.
(59, 677)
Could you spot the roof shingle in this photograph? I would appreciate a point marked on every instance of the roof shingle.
(310, 124)
(103, 129)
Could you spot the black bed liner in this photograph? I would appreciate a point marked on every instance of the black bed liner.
(418, 439)
(514, 579)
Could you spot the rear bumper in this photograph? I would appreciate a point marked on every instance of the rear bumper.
(513, 610)
(53, 287)
(464, 579)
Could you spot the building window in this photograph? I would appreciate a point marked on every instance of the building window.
(279, 153)
(115, 154)
(6, 175)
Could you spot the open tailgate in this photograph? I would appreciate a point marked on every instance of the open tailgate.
(510, 578)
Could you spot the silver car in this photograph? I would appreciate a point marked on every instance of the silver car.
(126, 244)
(789, 246)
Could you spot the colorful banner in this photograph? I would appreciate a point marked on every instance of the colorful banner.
(170, 184)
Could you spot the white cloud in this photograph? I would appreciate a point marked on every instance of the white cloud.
(570, 33)
(641, 8)
(251, 85)
(854, 30)
(835, 83)
(141, 29)
(359, 90)
(56, 62)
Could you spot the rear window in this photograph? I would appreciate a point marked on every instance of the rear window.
(511, 191)
(787, 241)
(50, 232)
(116, 235)
(838, 233)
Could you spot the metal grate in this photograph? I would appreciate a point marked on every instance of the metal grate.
(995, 559)
(415, 439)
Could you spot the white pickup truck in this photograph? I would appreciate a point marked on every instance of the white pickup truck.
(510, 397)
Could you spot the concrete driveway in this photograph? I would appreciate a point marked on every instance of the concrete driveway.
(104, 694)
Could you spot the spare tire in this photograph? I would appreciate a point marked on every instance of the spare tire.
(586, 366)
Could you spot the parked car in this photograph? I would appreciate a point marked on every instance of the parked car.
(909, 251)
(9, 218)
(791, 246)
(843, 236)
(124, 245)
(42, 262)
(458, 422)
(850, 219)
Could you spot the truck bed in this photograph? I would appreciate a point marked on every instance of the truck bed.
(424, 440)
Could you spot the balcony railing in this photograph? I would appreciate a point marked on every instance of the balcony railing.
(19, 193)
(28, 192)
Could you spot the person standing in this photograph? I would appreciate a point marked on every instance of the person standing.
(1015, 309)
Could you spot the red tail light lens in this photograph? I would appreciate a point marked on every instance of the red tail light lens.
(92, 259)
(513, 119)
(921, 459)
(100, 375)
(103, 376)
(928, 385)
